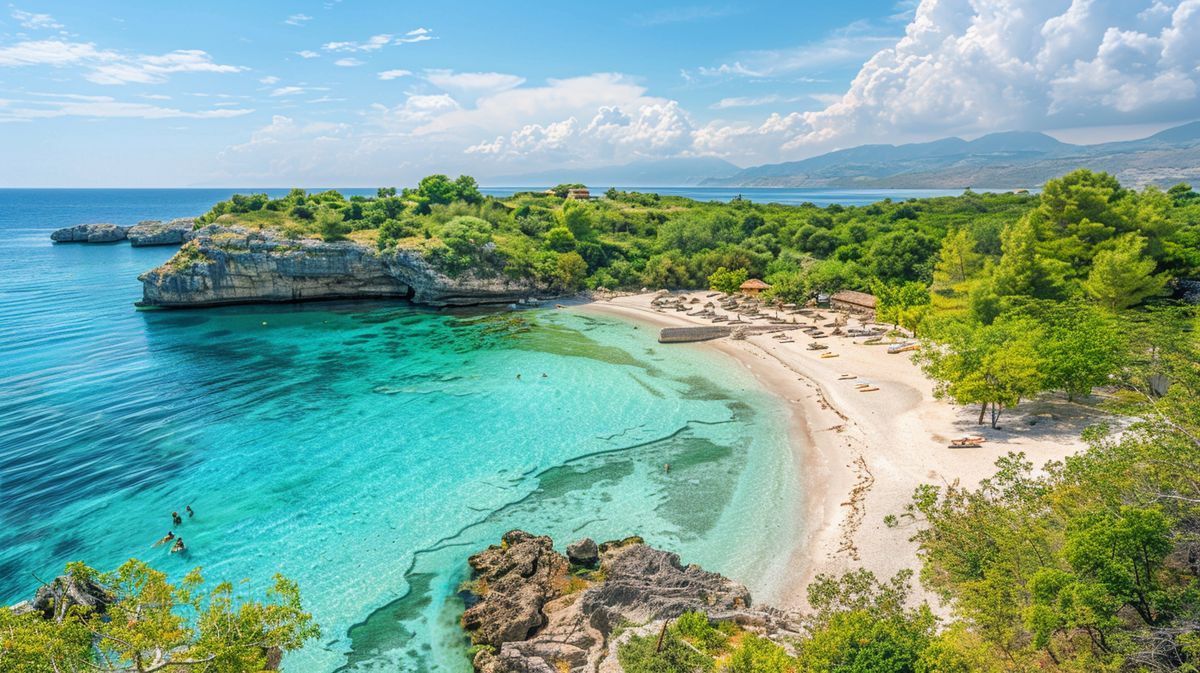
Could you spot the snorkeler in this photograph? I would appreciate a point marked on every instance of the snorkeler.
(166, 538)
(178, 546)
(176, 518)
(189, 511)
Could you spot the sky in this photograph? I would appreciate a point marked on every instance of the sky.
(365, 93)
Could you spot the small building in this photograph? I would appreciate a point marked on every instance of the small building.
(579, 194)
(858, 303)
(754, 287)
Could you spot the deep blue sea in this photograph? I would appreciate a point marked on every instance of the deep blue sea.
(362, 449)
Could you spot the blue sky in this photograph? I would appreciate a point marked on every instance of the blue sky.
(353, 92)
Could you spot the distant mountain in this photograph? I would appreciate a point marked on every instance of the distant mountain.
(1010, 160)
(680, 172)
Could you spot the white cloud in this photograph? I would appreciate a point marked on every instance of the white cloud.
(101, 107)
(288, 90)
(307, 53)
(754, 101)
(34, 21)
(297, 19)
(109, 67)
(975, 66)
(373, 43)
(473, 83)
(348, 62)
(848, 46)
(154, 96)
(269, 80)
(416, 35)
(394, 74)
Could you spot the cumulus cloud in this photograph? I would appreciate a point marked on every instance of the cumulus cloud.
(348, 62)
(973, 66)
(103, 66)
(377, 42)
(308, 53)
(297, 19)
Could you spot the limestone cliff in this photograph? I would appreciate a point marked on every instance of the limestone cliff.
(233, 265)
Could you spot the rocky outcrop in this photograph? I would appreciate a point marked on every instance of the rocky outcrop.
(90, 233)
(52, 600)
(584, 553)
(232, 265)
(538, 615)
(156, 232)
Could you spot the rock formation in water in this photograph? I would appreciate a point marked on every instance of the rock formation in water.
(233, 265)
(535, 611)
(156, 232)
(90, 233)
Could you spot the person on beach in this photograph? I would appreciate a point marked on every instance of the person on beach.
(189, 511)
(166, 538)
(178, 546)
(176, 518)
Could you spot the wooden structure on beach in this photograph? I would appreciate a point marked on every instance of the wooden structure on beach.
(754, 287)
(858, 303)
(579, 194)
(682, 335)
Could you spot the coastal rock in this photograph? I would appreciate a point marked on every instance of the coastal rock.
(231, 265)
(584, 553)
(65, 592)
(155, 232)
(89, 233)
(539, 618)
(518, 578)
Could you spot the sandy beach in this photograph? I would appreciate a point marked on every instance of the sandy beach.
(864, 452)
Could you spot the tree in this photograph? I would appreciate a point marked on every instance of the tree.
(1023, 271)
(148, 624)
(330, 225)
(572, 269)
(903, 305)
(577, 219)
(466, 189)
(729, 282)
(957, 261)
(995, 366)
(560, 239)
(436, 189)
(1081, 346)
(1122, 276)
(862, 626)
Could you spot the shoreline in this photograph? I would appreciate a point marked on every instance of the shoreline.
(863, 454)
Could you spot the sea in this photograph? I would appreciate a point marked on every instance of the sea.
(363, 449)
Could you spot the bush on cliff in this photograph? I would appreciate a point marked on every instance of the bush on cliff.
(141, 622)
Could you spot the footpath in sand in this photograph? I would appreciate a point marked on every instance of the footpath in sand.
(863, 452)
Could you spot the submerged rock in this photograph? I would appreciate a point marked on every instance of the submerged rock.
(90, 233)
(155, 232)
(231, 265)
(538, 617)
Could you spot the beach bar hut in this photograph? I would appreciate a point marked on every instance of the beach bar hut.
(858, 303)
(579, 194)
(754, 287)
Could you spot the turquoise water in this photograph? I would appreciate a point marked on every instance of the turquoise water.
(363, 449)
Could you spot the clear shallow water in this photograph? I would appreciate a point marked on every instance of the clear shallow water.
(363, 449)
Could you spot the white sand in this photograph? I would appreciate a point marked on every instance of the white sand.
(863, 453)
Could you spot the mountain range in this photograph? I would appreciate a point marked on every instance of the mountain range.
(1009, 160)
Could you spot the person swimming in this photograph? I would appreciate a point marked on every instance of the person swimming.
(178, 546)
(176, 518)
(166, 538)
(189, 511)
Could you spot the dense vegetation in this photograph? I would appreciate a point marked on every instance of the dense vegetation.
(149, 624)
(1092, 564)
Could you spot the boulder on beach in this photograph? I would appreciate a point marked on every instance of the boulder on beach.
(155, 232)
(90, 233)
